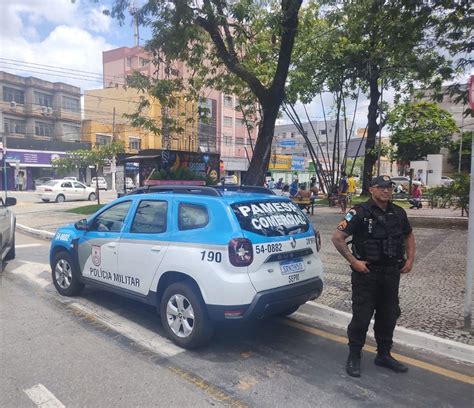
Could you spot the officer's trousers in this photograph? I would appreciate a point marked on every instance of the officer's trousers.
(376, 291)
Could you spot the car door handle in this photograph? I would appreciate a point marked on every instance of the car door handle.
(156, 248)
(112, 245)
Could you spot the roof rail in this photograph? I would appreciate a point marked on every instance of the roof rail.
(199, 190)
(245, 189)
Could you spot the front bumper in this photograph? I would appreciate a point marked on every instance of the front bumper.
(269, 302)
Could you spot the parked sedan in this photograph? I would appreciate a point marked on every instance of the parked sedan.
(65, 190)
(41, 180)
(101, 182)
(7, 230)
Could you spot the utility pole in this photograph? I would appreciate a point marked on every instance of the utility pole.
(113, 164)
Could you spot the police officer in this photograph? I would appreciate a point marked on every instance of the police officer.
(383, 246)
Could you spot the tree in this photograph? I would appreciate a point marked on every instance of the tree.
(97, 157)
(419, 129)
(387, 44)
(227, 45)
(453, 158)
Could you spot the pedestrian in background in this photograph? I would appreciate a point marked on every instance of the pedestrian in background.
(383, 247)
(17, 182)
(342, 192)
(351, 188)
(415, 199)
(21, 181)
(294, 188)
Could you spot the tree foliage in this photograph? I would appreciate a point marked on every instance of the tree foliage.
(241, 47)
(419, 129)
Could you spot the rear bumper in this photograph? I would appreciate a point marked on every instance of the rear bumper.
(269, 302)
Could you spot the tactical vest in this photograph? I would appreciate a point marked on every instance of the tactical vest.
(380, 239)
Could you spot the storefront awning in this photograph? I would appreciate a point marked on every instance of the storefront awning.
(138, 158)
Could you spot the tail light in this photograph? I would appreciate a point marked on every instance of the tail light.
(317, 237)
(48, 190)
(240, 252)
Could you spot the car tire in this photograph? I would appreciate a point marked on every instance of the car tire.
(289, 311)
(184, 316)
(65, 275)
(12, 252)
(60, 198)
(92, 197)
(44, 200)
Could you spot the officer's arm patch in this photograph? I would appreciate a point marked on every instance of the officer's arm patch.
(350, 214)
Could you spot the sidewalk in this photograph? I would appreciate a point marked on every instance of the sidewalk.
(431, 296)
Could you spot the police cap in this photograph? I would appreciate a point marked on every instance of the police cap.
(382, 181)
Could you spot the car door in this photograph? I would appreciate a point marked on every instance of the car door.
(80, 191)
(67, 190)
(143, 244)
(97, 247)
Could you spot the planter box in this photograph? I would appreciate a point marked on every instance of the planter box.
(174, 183)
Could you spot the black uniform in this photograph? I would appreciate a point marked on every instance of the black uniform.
(378, 237)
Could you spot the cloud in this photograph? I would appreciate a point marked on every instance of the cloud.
(57, 33)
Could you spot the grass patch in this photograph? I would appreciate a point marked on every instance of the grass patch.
(401, 203)
(86, 209)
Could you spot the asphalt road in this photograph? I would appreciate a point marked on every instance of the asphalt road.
(101, 350)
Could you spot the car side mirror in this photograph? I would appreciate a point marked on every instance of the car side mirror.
(10, 201)
(82, 225)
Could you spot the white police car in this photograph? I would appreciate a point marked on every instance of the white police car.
(200, 254)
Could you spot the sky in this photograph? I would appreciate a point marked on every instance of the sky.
(50, 38)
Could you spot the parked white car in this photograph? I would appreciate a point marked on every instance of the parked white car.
(70, 178)
(101, 181)
(446, 181)
(64, 190)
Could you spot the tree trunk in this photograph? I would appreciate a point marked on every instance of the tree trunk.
(372, 129)
(255, 175)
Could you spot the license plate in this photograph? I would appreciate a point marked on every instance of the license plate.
(292, 266)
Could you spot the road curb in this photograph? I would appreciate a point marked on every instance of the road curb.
(406, 337)
(420, 221)
(35, 232)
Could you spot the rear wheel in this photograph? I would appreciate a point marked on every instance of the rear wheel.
(11, 253)
(65, 275)
(60, 198)
(184, 315)
(92, 197)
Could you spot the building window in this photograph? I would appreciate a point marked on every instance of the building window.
(171, 71)
(15, 126)
(102, 139)
(228, 121)
(239, 141)
(134, 143)
(43, 99)
(143, 62)
(228, 101)
(71, 104)
(228, 140)
(205, 108)
(13, 95)
(71, 133)
(322, 131)
(240, 122)
(129, 61)
(43, 129)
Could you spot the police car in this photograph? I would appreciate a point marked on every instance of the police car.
(199, 254)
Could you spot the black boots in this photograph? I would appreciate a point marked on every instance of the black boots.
(353, 364)
(386, 360)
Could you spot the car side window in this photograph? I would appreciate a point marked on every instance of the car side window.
(66, 185)
(192, 216)
(112, 219)
(79, 185)
(150, 217)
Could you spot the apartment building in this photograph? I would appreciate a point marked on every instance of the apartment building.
(221, 131)
(39, 120)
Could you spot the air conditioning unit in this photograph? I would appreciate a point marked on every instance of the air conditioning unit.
(49, 111)
(44, 110)
(12, 105)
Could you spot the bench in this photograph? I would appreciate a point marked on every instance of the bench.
(305, 203)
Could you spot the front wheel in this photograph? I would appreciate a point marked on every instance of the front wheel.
(65, 275)
(92, 197)
(184, 316)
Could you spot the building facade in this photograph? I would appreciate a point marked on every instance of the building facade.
(39, 120)
(222, 130)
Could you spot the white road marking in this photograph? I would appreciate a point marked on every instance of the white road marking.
(42, 397)
(28, 245)
(146, 338)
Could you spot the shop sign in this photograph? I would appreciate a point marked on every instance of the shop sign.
(280, 162)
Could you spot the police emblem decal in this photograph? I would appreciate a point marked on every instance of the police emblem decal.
(293, 242)
(96, 255)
